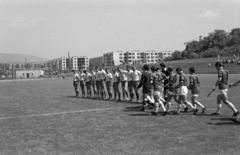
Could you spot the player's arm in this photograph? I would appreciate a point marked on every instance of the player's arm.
(141, 82)
(234, 84)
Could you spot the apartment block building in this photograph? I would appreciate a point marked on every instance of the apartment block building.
(96, 62)
(134, 57)
(73, 63)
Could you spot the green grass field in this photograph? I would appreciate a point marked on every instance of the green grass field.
(41, 117)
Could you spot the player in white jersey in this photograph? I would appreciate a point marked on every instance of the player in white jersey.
(76, 82)
(109, 78)
(98, 81)
(123, 79)
(93, 82)
(130, 82)
(136, 76)
(82, 82)
(116, 81)
(102, 74)
(88, 83)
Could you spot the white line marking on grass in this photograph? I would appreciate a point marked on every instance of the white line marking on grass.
(58, 113)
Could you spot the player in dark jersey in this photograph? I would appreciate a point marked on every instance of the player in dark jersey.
(165, 72)
(194, 87)
(222, 84)
(183, 91)
(146, 83)
(158, 85)
(171, 87)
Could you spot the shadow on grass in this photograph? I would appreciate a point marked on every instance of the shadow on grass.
(133, 108)
(224, 121)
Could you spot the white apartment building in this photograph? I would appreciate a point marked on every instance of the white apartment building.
(134, 57)
(63, 63)
(79, 62)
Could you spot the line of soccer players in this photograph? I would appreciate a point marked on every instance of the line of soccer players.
(159, 87)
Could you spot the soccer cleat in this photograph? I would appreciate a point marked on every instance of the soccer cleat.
(195, 111)
(215, 114)
(235, 114)
(164, 113)
(186, 109)
(154, 113)
(203, 110)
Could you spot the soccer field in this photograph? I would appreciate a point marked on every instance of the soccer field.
(41, 117)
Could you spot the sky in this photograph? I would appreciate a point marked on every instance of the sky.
(51, 28)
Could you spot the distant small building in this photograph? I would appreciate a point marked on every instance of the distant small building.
(29, 73)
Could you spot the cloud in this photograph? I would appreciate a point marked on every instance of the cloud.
(206, 13)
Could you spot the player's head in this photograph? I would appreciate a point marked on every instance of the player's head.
(218, 65)
(85, 71)
(179, 70)
(162, 65)
(191, 70)
(107, 70)
(146, 67)
(154, 69)
(113, 70)
(170, 69)
(133, 68)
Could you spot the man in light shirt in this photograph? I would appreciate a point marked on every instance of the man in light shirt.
(76, 82)
(82, 82)
(102, 74)
(116, 81)
(98, 81)
(130, 82)
(123, 79)
(136, 76)
(88, 83)
(93, 82)
(109, 78)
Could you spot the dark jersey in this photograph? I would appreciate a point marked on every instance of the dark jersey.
(194, 84)
(182, 80)
(158, 81)
(222, 79)
(172, 82)
(146, 82)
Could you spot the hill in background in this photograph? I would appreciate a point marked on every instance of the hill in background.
(12, 58)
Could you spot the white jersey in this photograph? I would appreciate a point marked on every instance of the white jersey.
(98, 75)
(82, 76)
(102, 74)
(76, 77)
(129, 75)
(88, 77)
(123, 75)
(136, 75)
(93, 76)
(109, 76)
(116, 77)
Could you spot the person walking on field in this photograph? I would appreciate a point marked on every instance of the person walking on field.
(130, 82)
(82, 82)
(136, 75)
(93, 83)
(76, 82)
(194, 87)
(123, 79)
(109, 78)
(147, 88)
(183, 92)
(116, 81)
(158, 86)
(88, 80)
(222, 84)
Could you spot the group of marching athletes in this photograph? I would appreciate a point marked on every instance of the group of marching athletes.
(159, 86)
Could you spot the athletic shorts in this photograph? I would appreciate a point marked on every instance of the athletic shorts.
(183, 90)
(157, 95)
(223, 92)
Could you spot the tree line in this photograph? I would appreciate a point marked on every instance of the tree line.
(217, 43)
